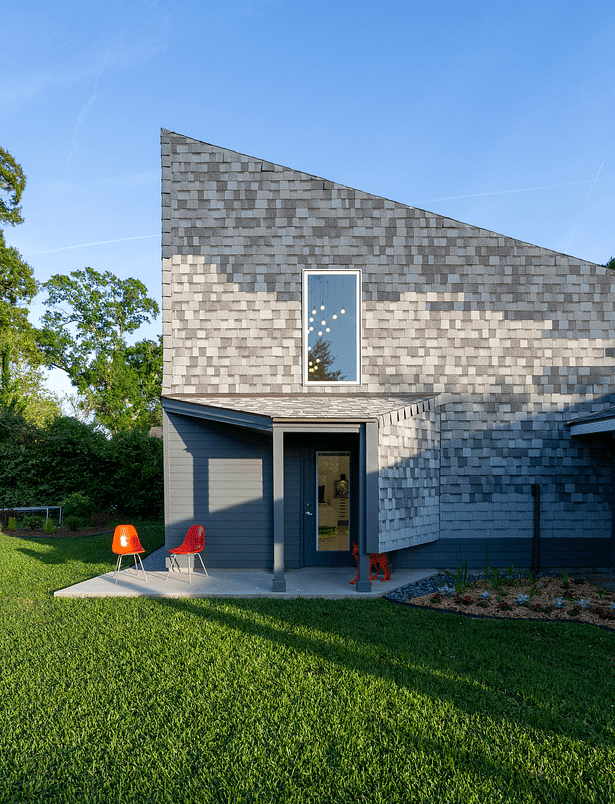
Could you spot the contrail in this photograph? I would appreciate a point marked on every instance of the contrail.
(100, 243)
(84, 111)
(506, 192)
(583, 209)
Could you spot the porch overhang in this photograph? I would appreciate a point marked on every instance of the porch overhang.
(362, 414)
(594, 424)
(264, 412)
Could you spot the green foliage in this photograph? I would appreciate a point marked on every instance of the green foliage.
(131, 399)
(6, 514)
(12, 185)
(84, 334)
(294, 701)
(460, 576)
(49, 527)
(49, 463)
(17, 283)
(29, 396)
(611, 264)
(136, 484)
(33, 522)
(12, 525)
(77, 504)
(72, 522)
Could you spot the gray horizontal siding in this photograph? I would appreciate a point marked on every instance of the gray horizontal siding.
(555, 553)
(293, 504)
(221, 477)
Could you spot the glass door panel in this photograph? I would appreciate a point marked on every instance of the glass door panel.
(334, 504)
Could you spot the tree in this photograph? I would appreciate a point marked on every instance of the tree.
(319, 362)
(84, 334)
(12, 185)
(611, 264)
(31, 397)
(131, 399)
(17, 283)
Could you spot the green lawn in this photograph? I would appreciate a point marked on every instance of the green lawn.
(183, 700)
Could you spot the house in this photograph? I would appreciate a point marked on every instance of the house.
(341, 368)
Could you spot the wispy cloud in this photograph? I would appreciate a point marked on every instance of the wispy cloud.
(506, 192)
(99, 243)
(583, 208)
(83, 114)
(28, 85)
(113, 48)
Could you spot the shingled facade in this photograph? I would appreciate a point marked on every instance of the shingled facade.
(471, 351)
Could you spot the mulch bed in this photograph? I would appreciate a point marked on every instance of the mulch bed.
(539, 603)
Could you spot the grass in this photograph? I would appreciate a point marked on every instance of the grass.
(150, 700)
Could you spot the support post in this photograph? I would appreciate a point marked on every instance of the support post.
(279, 581)
(363, 583)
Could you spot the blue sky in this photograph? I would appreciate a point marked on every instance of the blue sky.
(500, 115)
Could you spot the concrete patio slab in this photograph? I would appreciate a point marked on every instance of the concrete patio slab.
(324, 582)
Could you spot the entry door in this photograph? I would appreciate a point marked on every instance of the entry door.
(330, 504)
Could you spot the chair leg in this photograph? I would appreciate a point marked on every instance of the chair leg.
(172, 559)
(137, 562)
(203, 565)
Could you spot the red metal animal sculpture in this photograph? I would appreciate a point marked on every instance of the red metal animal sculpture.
(377, 562)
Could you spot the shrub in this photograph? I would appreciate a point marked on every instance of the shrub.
(99, 519)
(77, 505)
(12, 524)
(49, 527)
(6, 514)
(72, 522)
(33, 522)
(54, 461)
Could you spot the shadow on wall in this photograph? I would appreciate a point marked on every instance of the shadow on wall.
(486, 499)
(485, 495)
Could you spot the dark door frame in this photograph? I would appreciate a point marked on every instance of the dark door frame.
(312, 445)
(367, 490)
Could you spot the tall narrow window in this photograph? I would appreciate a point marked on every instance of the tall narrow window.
(331, 327)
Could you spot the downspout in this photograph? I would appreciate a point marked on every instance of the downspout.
(536, 533)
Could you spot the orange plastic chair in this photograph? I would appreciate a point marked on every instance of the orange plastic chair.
(126, 543)
(192, 545)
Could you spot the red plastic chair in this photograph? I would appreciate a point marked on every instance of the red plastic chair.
(126, 543)
(192, 545)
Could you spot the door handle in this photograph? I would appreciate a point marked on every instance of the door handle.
(309, 513)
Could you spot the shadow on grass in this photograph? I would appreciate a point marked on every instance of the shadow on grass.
(465, 662)
(533, 680)
(92, 549)
(395, 695)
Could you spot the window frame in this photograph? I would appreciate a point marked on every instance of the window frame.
(356, 272)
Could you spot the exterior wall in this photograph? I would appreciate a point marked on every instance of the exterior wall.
(555, 554)
(516, 339)
(220, 477)
(409, 480)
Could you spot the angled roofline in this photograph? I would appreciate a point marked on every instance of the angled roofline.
(212, 408)
(168, 132)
